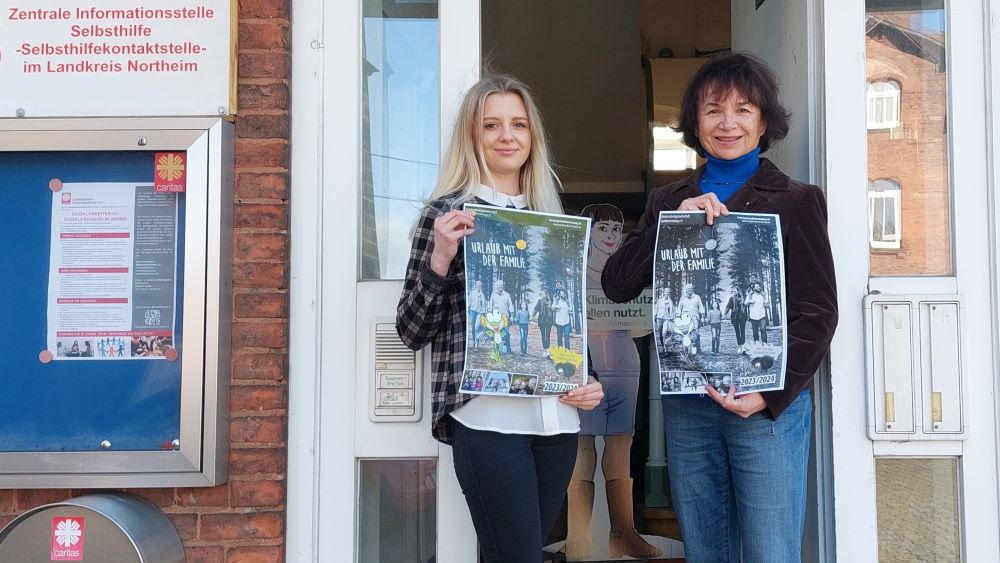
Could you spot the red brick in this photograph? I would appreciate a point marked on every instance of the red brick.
(186, 525)
(256, 398)
(262, 96)
(256, 153)
(266, 126)
(6, 501)
(258, 493)
(257, 430)
(261, 274)
(159, 497)
(254, 461)
(261, 305)
(262, 554)
(4, 520)
(263, 65)
(201, 496)
(27, 499)
(260, 246)
(259, 366)
(204, 554)
(251, 185)
(242, 526)
(264, 9)
(260, 216)
(263, 35)
(260, 335)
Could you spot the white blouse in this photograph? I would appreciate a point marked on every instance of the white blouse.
(543, 416)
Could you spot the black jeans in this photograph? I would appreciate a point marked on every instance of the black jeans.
(740, 328)
(759, 327)
(515, 485)
(546, 331)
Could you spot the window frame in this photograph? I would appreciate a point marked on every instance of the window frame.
(891, 96)
(885, 189)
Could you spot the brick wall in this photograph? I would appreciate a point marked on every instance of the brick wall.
(243, 520)
(916, 156)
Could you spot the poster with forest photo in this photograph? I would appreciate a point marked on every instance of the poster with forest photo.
(719, 302)
(526, 331)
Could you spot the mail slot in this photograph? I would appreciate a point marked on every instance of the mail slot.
(94, 528)
(916, 384)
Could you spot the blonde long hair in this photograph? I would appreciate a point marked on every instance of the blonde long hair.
(460, 168)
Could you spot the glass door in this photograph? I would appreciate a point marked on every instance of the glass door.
(914, 441)
(414, 59)
(376, 82)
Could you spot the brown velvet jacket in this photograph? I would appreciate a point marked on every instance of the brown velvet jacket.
(810, 284)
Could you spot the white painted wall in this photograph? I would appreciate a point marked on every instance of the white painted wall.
(776, 33)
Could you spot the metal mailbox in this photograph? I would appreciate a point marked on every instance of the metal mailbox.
(94, 528)
(917, 387)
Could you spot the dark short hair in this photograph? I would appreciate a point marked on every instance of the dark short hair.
(602, 212)
(734, 72)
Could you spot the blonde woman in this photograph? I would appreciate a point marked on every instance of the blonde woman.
(513, 458)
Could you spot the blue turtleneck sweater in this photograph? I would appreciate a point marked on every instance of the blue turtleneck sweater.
(724, 177)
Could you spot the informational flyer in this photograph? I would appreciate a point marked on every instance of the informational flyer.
(112, 272)
(719, 302)
(525, 275)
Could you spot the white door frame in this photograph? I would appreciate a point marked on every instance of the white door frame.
(326, 410)
(992, 15)
(846, 146)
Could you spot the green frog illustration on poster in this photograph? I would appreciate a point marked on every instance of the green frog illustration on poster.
(615, 359)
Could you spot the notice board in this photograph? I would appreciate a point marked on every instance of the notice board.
(108, 384)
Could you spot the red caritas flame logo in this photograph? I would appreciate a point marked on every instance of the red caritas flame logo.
(67, 538)
(171, 172)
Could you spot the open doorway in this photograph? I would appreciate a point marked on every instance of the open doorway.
(609, 77)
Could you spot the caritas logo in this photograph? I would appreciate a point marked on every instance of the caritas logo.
(67, 198)
(171, 172)
(67, 538)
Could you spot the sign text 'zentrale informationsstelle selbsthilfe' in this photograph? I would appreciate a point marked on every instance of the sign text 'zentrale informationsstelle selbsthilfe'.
(109, 58)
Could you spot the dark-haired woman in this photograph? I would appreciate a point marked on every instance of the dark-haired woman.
(738, 464)
(543, 314)
(737, 311)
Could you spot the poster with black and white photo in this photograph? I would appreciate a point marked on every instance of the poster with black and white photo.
(719, 302)
(526, 332)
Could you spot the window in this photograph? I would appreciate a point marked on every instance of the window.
(400, 133)
(906, 50)
(670, 152)
(884, 214)
(883, 105)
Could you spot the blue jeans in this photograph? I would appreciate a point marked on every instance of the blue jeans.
(738, 482)
(515, 485)
(523, 330)
(562, 335)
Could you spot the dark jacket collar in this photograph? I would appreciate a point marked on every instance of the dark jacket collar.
(767, 178)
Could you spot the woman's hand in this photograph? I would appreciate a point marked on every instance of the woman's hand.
(744, 405)
(709, 203)
(586, 397)
(449, 230)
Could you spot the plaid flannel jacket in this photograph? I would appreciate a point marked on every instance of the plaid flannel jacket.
(432, 309)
